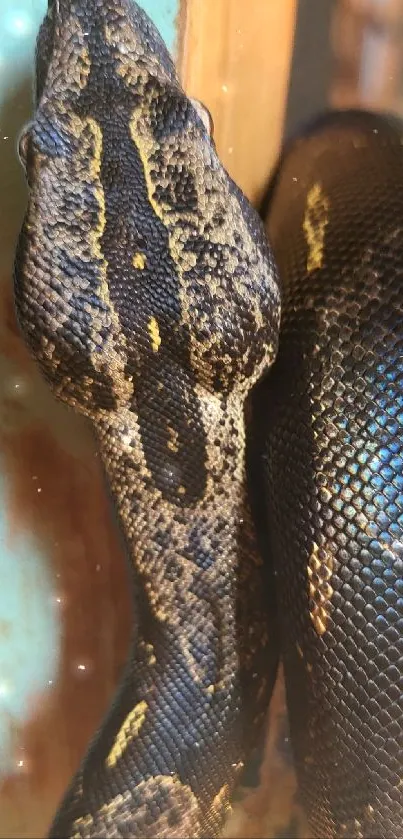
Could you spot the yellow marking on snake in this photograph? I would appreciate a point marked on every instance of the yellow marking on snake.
(150, 652)
(320, 570)
(139, 261)
(154, 332)
(314, 225)
(82, 822)
(94, 166)
(143, 154)
(99, 227)
(123, 386)
(173, 442)
(222, 799)
(127, 732)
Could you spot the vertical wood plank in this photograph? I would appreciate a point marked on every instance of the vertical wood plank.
(235, 57)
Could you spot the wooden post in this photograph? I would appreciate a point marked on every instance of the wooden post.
(235, 57)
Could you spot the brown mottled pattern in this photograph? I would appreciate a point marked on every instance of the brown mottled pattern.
(128, 814)
(148, 295)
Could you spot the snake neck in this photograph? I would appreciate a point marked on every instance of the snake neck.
(185, 557)
(193, 690)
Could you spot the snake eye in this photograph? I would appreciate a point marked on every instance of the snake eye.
(205, 115)
(23, 145)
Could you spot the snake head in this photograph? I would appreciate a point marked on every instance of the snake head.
(137, 249)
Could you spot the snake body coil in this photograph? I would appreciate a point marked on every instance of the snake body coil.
(147, 293)
(334, 413)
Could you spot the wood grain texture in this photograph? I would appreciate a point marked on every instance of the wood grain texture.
(235, 57)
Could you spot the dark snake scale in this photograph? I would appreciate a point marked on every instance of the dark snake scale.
(147, 292)
(333, 420)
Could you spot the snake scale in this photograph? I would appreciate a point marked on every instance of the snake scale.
(334, 467)
(148, 294)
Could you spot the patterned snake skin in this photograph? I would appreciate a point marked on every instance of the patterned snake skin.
(334, 426)
(147, 293)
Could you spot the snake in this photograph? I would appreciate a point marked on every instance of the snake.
(147, 293)
(333, 449)
(156, 305)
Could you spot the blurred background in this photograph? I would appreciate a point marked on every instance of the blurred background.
(262, 67)
(282, 61)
